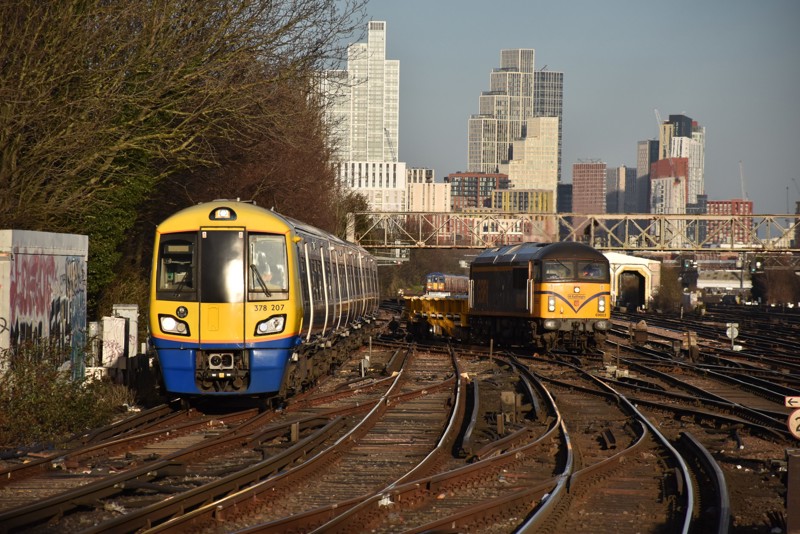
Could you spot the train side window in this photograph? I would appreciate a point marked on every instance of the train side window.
(177, 267)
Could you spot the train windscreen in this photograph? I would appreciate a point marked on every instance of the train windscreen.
(569, 270)
(177, 273)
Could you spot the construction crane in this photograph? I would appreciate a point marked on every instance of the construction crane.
(741, 178)
(389, 142)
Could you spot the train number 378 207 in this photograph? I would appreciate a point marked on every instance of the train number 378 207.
(268, 307)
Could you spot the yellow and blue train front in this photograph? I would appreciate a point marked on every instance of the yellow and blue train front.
(210, 351)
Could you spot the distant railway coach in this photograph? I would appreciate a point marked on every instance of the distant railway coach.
(446, 284)
(244, 300)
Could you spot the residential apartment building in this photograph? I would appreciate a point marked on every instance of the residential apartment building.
(474, 190)
(535, 157)
(668, 185)
(682, 137)
(589, 187)
(740, 232)
(503, 111)
(523, 201)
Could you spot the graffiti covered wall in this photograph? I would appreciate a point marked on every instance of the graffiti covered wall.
(43, 289)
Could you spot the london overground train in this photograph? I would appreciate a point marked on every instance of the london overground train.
(244, 301)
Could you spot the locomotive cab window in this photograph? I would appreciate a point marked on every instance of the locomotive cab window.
(177, 267)
(267, 273)
(558, 270)
(592, 270)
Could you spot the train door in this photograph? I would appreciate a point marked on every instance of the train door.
(223, 289)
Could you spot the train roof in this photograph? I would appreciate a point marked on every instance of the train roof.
(525, 252)
(200, 214)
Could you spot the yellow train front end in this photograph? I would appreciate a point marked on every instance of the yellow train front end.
(573, 315)
(222, 317)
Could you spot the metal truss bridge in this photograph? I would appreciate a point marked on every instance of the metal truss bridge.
(627, 233)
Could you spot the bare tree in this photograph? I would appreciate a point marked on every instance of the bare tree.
(94, 94)
(100, 100)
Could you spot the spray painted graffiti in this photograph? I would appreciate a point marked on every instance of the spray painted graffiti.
(48, 300)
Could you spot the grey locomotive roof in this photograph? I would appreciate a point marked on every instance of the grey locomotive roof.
(525, 252)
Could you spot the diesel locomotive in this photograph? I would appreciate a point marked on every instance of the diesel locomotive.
(546, 295)
(552, 295)
(245, 301)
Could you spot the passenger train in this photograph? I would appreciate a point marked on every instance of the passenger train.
(548, 295)
(244, 301)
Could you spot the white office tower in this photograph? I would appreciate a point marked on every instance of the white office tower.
(363, 114)
(503, 111)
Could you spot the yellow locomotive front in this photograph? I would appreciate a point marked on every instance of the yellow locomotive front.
(571, 297)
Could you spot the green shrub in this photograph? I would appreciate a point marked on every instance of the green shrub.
(39, 402)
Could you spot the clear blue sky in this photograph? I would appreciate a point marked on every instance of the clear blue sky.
(732, 65)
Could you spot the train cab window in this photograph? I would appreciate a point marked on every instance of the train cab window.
(592, 270)
(557, 270)
(177, 271)
(267, 272)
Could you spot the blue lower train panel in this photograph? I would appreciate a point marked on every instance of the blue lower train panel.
(267, 367)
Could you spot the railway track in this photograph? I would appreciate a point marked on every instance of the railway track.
(412, 438)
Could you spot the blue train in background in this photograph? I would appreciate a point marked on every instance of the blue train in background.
(244, 301)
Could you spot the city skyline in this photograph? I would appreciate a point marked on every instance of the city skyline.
(733, 70)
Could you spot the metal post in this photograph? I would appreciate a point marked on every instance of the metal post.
(793, 491)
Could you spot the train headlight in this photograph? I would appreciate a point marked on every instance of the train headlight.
(551, 324)
(551, 304)
(273, 325)
(171, 325)
(601, 304)
(601, 325)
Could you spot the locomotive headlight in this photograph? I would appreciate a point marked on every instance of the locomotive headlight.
(551, 304)
(601, 325)
(273, 325)
(601, 304)
(171, 325)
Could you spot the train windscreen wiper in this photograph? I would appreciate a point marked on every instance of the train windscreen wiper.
(254, 270)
